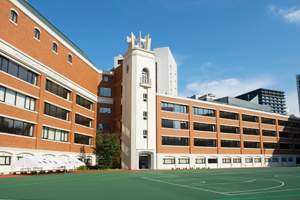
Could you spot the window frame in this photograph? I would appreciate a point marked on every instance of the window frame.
(54, 44)
(70, 58)
(14, 15)
(37, 34)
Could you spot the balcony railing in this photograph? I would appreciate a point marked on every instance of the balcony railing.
(145, 82)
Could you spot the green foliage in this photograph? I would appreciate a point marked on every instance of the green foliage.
(82, 168)
(107, 148)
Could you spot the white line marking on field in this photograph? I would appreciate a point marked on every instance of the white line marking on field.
(254, 191)
(265, 192)
(185, 186)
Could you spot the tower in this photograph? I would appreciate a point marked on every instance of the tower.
(138, 105)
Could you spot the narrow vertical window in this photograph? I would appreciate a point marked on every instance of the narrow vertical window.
(145, 115)
(54, 47)
(145, 97)
(70, 58)
(145, 134)
(13, 16)
(37, 34)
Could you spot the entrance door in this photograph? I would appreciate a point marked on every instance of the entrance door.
(144, 162)
(298, 161)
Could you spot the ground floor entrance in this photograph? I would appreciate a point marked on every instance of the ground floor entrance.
(144, 161)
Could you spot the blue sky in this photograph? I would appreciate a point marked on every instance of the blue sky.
(221, 47)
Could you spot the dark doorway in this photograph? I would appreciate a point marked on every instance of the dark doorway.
(144, 162)
(298, 161)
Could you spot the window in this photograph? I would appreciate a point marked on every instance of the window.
(84, 102)
(105, 78)
(275, 159)
(212, 160)
(167, 123)
(291, 159)
(203, 112)
(248, 160)
(296, 125)
(15, 127)
(257, 160)
(70, 58)
(84, 121)
(204, 127)
(230, 143)
(145, 76)
(267, 159)
(226, 160)
(296, 146)
(283, 159)
(229, 115)
(229, 129)
(145, 115)
(269, 145)
(285, 146)
(37, 34)
(145, 97)
(237, 160)
(269, 133)
(145, 134)
(82, 139)
(199, 142)
(105, 110)
(284, 134)
(250, 131)
(16, 99)
(173, 107)
(104, 126)
(267, 121)
(168, 160)
(55, 111)
(2, 93)
(284, 123)
(54, 47)
(17, 71)
(200, 161)
(183, 160)
(5, 160)
(175, 141)
(248, 144)
(14, 16)
(57, 90)
(249, 118)
(55, 134)
(105, 92)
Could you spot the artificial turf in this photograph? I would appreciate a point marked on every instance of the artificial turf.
(251, 183)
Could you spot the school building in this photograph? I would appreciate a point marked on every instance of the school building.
(53, 99)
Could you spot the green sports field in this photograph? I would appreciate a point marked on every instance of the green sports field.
(256, 183)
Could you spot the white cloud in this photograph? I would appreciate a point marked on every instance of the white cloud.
(291, 15)
(206, 65)
(228, 87)
(179, 58)
(292, 102)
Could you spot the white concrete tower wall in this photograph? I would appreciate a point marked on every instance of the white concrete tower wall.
(298, 89)
(166, 72)
(139, 97)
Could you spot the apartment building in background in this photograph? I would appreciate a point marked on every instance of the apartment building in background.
(273, 98)
(298, 89)
(53, 99)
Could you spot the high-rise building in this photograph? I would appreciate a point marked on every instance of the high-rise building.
(273, 98)
(298, 89)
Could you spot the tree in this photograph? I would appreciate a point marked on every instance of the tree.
(107, 148)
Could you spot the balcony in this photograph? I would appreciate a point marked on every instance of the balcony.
(145, 82)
